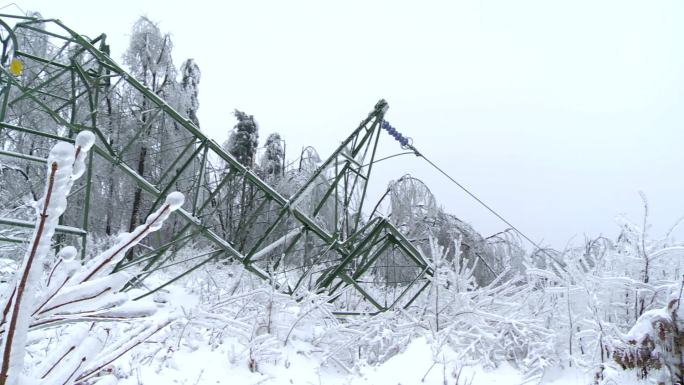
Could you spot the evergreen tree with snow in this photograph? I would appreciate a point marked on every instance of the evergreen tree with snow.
(242, 143)
(272, 160)
(191, 74)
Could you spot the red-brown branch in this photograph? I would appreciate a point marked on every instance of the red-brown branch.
(50, 297)
(71, 349)
(76, 300)
(11, 330)
(7, 306)
(86, 375)
(83, 359)
(53, 272)
(131, 241)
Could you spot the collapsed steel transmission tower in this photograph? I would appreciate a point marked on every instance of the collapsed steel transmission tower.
(316, 238)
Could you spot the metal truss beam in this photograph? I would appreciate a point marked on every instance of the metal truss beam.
(318, 234)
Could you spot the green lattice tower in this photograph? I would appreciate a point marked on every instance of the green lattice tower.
(317, 238)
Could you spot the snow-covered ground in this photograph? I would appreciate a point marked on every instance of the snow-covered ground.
(205, 366)
(185, 355)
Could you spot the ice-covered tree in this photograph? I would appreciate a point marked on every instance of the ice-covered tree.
(243, 141)
(414, 210)
(272, 159)
(149, 56)
(150, 61)
(190, 80)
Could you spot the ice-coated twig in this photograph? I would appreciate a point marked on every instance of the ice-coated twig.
(53, 204)
(71, 293)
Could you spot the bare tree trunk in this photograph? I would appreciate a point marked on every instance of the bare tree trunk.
(110, 181)
(110, 202)
(137, 196)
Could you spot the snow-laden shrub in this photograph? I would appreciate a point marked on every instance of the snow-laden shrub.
(486, 325)
(367, 340)
(255, 324)
(481, 325)
(601, 292)
(79, 302)
(656, 341)
(248, 319)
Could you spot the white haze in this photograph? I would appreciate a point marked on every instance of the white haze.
(556, 113)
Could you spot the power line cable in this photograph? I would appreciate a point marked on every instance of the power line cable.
(407, 143)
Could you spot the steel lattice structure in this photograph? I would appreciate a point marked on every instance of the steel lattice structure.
(318, 241)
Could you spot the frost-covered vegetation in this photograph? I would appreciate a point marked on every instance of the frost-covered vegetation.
(607, 311)
(75, 301)
(583, 326)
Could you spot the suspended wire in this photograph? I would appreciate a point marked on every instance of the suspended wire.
(407, 143)
(388, 157)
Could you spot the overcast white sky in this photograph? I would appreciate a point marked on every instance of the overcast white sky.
(557, 113)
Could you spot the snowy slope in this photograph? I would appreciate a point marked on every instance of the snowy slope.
(190, 355)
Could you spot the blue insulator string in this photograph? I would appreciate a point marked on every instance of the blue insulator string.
(407, 144)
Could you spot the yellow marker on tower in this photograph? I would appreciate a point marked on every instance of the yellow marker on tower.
(16, 67)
